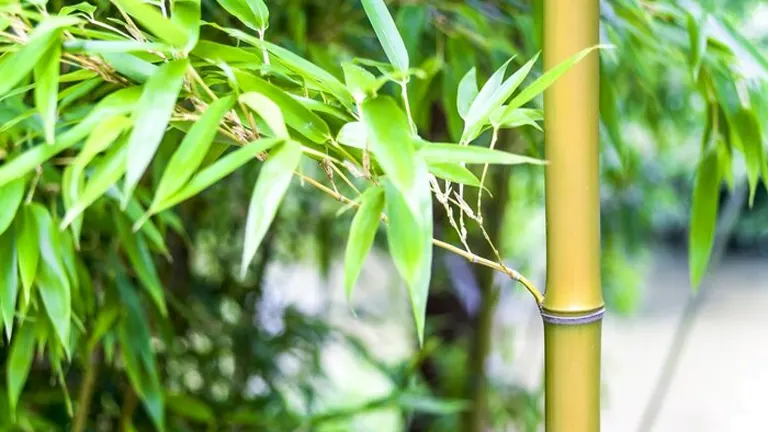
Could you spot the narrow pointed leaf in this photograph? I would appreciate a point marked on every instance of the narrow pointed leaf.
(353, 134)
(141, 261)
(153, 112)
(217, 171)
(454, 172)
(706, 196)
(273, 181)
(192, 150)
(9, 279)
(390, 140)
(359, 81)
(10, 198)
(515, 118)
(46, 74)
(361, 235)
(386, 31)
(543, 82)
(480, 103)
(28, 252)
(52, 281)
(252, 13)
(19, 362)
(747, 126)
(186, 13)
(467, 92)
(268, 110)
(154, 21)
(454, 153)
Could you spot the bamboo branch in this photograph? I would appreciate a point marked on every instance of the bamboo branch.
(86, 393)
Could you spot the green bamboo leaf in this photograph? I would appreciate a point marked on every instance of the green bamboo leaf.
(119, 102)
(467, 92)
(105, 321)
(19, 362)
(747, 126)
(15, 66)
(361, 234)
(46, 73)
(28, 252)
(186, 13)
(154, 21)
(360, 82)
(454, 153)
(252, 13)
(85, 7)
(153, 112)
(113, 46)
(706, 197)
(9, 279)
(480, 114)
(10, 198)
(268, 110)
(454, 172)
(192, 150)
(481, 102)
(295, 114)
(217, 171)
(390, 140)
(105, 175)
(190, 407)
(409, 237)
(141, 261)
(352, 134)
(273, 181)
(136, 213)
(544, 81)
(504, 118)
(52, 281)
(697, 33)
(386, 32)
(130, 66)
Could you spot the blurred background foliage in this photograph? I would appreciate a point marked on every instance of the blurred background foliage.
(242, 356)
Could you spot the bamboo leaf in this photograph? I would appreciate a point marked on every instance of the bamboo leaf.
(504, 118)
(360, 82)
(153, 112)
(105, 175)
(361, 235)
(252, 13)
(19, 362)
(353, 134)
(10, 198)
(549, 77)
(480, 106)
(130, 66)
(295, 114)
(747, 126)
(217, 171)
(186, 13)
(706, 196)
(154, 21)
(141, 261)
(28, 251)
(9, 279)
(268, 110)
(386, 31)
(52, 281)
(84, 7)
(467, 92)
(46, 74)
(454, 172)
(390, 140)
(454, 153)
(113, 46)
(119, 102)
(273, 181)
(191, 408)
(409, 237)
(15, 66)
(192, 150)
(697, 33)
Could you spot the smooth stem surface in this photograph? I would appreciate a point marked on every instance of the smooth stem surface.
(572, 401)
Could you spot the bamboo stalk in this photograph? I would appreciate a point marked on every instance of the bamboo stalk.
(573, 305)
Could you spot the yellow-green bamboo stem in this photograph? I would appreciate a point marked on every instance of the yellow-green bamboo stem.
(573, 304)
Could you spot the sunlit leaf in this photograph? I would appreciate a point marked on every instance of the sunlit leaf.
(193, 148)
(360, 82)
(28, 252)
(454, 172)
(361, 235)
(467, 92)
(747, 126)
(10, 198)
(154, 21)
(706, 196)
(152, 114)
(253, 13)
(386, 31)
(130, 65)
(46, 74)
(9, 279)
(268, 110)
(273, 181)
(352, 134)
(454, 153)
(186, 13)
